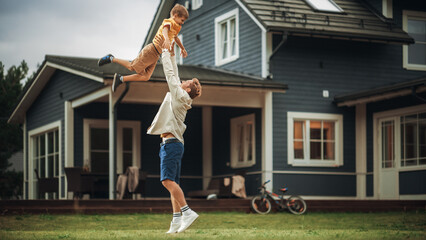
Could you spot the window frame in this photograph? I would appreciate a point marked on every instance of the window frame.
(313, 6)
(406, 15)
(234, 138)
(227, 17)
(121, 124)
(196, 4)
(306, 161)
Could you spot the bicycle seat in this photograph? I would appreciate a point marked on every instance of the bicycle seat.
(283, 190)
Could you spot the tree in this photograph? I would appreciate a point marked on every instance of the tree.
(10, 134)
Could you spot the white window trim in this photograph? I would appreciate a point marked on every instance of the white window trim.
(217, 22)
(234, 139)
(178, 56)
(405, 15)
(35, 132)
(338, 8)
(387, 8)
(291, 116)
(196, 4)
(102, 123)
(396, 114)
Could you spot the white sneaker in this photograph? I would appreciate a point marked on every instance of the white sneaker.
(187, 221)
(174, 227)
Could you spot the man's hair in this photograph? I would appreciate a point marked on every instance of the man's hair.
(180, 10)
(195, 87)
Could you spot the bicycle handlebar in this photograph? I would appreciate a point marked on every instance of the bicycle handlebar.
(266, 182)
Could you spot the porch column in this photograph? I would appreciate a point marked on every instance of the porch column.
(267, 146)
(361, 150)
(69, 145)
(207, 146)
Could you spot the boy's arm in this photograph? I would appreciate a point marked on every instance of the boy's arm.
(182, 51)
(166, 43)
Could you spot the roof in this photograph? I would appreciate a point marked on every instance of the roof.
(359, 21)
(381, 93)
(88, 67)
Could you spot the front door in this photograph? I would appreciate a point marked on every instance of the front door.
(388, 175)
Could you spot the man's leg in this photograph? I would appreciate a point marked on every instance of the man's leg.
(176, 193)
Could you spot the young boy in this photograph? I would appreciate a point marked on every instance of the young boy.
(144, 64)
(169, 124)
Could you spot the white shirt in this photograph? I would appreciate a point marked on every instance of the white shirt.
(172, 113)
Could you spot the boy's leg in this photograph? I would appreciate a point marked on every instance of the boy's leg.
(123, 63)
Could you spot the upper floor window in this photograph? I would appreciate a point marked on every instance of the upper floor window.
(196, 4)
(315, 139)
(414, 55)
(226, 36)
(243, 141)
(324, 5)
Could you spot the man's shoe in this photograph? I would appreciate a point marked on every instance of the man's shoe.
(174, 227)
(116, 82)
(187, 221)
(105, 60)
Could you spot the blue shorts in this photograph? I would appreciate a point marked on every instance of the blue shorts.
(171, 157)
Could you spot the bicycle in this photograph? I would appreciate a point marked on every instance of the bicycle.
(262, 202)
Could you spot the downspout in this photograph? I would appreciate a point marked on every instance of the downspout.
(414, 93)
(283, 41)
(114, 148)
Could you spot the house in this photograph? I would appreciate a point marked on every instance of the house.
(326, 97)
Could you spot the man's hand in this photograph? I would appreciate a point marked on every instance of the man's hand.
(183, 53)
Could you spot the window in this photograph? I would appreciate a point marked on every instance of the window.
(196, 4)
(414, 55)
(226, 36)
(44, 156)
(315, 139)
(324, 5)
(413, 139)
(243, 141)
(179, 59)
(96, 145)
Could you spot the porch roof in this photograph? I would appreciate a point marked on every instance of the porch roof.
(414, 86)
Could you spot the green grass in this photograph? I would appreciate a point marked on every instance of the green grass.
(394, 225)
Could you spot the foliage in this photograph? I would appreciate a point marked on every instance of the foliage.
(10, 134)
(393, 225)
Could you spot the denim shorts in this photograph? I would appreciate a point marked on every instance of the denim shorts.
(171, 158)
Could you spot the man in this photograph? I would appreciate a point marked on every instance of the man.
(169, 124)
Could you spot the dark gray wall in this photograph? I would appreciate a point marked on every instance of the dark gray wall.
(201, 23)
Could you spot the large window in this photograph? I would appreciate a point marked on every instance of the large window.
(414, 23)
(226, 36)
(96, 145)
(413, 139)
(243, 141)
(315, 139)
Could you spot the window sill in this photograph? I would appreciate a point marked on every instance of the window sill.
(415, 67)
(226, 61)
(296, 163)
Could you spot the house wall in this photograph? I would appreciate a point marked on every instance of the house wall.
(309, 66)
(49, 105)
(202, 51)
(150, 144)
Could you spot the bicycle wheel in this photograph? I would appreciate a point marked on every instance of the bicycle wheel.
(296, 205)
(261, 204)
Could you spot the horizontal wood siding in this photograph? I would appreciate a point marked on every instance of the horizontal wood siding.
(201, 23)
(150, 144)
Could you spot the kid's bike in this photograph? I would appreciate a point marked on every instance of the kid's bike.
(262, 202)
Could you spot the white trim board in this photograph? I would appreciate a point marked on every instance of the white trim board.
(76, 72)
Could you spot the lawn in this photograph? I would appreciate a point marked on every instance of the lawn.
(394, 225)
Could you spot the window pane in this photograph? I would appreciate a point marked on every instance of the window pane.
(50, 142)
(315, 131)
(411, 140)
(36, 167)
(298, 149)
(241, 143)
(387, 144)
(56, 173)
(224, 40)
(42, 167)
(316, 150)
(249, 134)
(329, 151)
(50, 166)
(56, 141)
(328, 130)
(233, 38)
(42, 144)
(127, 139)
(99, 162)
(99, 138)
(298, 130)
(324, 5)
(127, 161)
(417, 53)
(422, 138)
(417, 29)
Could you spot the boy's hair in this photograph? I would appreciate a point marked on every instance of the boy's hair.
(180, 10)
(195, 88)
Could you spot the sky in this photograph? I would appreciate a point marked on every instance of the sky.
(31, 29)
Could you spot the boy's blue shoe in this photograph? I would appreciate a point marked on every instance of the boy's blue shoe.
(116, 82)
(105, 60)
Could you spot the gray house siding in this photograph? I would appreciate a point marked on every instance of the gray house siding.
(49, 106)
(150, 161)
(309, 66)
(201, 23)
